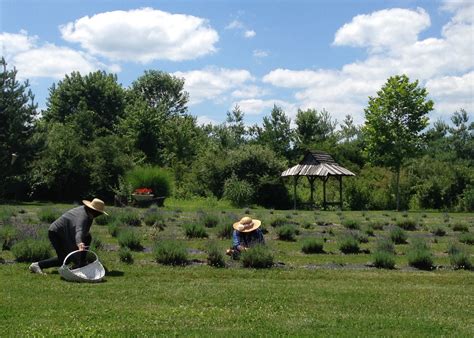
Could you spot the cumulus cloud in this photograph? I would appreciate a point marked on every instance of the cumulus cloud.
(444, 65)
(390, 28)
(143, 35)
(47, 60)
(452, 93)
(12, 44)
(213, 83)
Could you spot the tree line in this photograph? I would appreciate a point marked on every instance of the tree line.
(93, 131)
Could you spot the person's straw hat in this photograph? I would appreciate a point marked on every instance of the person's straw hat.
(247, 224)
(96, 204)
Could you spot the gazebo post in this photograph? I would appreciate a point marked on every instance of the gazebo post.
(340, 190)
(324, 191)
(311, 182)
(294, 191)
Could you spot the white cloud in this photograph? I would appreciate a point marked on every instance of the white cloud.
(213, 83)
(260, 53)
(12, 44)
(143, 35)
(257, 106)
(205, 120)
(240, 26)
(236, 24)
(444, 65)
(249, 91)
(452, 93)
(389, 28)
(249, 34)
(47, 60)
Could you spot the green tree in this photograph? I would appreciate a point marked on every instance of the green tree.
(92, 103)
(462, 135)
(159, 89)
(60, 172)
(144, 126)
(395, 120)
(313, 127)
(276, 133)
(17, 113)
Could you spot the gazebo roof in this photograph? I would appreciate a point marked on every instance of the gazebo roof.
(317, 163)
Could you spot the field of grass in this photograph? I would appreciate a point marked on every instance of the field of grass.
(303, 294)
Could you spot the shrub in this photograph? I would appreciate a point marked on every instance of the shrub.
(130, 239)
(225, 231)
(349, 245)
(312, 245)
(369, 231)
(398, 236)
(376, 225)
(419, 255)
(385, 245)
(209, 220)
(351, 224)
(114, 228)
(48, 215)
(96, 244)
(103, 220)
(257, 257)
(157, 179)
(439, 231)
(31, 250)
(8, 235)
(461, 260)
(195, 231)
(306, 225)
(130, 217)
(467, 238)
(154, 218)
(460, 227)
(125, 255)
(214, 256)
(287, 233)
(384, 260)
(239, 192)
(277, 222)
(407, 224)
(170, 253)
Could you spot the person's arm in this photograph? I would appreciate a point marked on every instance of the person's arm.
(236, 241)
(261, 239)
(83, 224)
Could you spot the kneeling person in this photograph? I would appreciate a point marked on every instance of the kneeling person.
(246, 234)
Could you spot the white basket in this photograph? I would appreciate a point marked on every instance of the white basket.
(91, 273)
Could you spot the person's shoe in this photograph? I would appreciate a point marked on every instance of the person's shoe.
(34, 267)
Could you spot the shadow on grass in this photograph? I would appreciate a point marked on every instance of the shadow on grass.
(114, 273)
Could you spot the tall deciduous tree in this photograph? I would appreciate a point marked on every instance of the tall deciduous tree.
(395, 121)
(17, 112)
(159, 89)
(93, 103)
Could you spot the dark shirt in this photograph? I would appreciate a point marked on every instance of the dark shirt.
(247, 239)
(73, 226)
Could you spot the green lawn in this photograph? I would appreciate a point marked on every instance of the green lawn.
(306, 295)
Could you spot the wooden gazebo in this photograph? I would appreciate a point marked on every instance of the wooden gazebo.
(318, 164)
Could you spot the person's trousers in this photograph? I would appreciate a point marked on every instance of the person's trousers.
(59, 245)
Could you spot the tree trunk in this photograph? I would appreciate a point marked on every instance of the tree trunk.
(398, 189)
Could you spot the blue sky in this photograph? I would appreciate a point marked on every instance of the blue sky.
(296, 54)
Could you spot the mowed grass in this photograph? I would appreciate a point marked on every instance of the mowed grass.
(305, 295)
(200, 300)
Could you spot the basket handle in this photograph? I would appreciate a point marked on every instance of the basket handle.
(76, 251)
